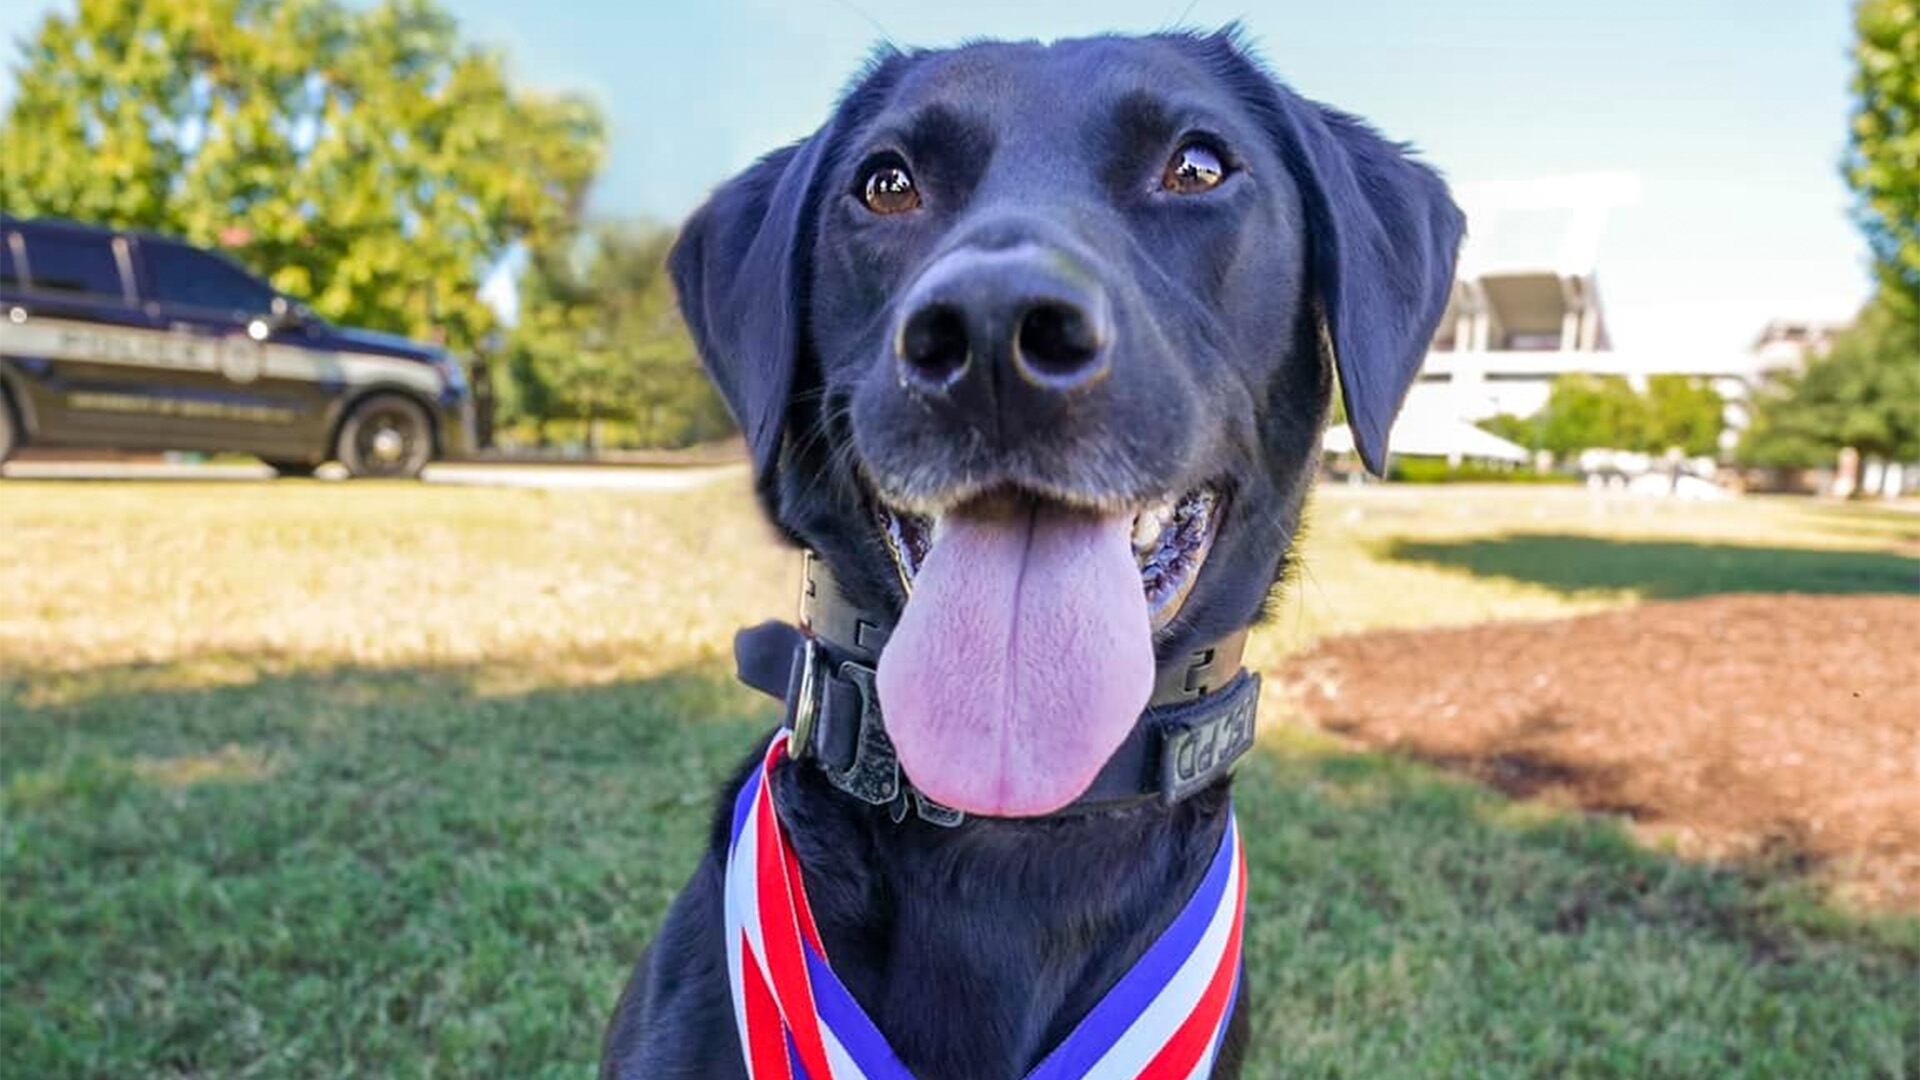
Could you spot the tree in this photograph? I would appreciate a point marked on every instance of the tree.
(1519, 430)
(1786, 428)
(1864, 394)
(365, 159)
(1585, 412)
(1882, 162)
(603, 341)
(1588, 411)
(1683, 412)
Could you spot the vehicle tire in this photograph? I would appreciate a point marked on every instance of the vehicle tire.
(290, 469)
(386, 437)
(9, 433)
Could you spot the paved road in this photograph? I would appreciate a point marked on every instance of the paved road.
(603, 477)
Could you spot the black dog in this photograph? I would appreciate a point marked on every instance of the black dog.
(1045, 335)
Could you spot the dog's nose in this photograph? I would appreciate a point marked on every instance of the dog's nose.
(1004, 335)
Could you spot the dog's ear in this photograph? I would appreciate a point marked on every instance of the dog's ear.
(1382, 236)
(740, 269)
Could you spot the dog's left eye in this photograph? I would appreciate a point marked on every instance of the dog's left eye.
(1194, 168)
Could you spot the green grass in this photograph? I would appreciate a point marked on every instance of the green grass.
(331, 780)
(1666, 568)
(364, 872)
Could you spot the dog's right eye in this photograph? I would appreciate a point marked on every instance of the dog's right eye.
(886, 187)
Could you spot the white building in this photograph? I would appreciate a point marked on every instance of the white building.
(1789, 343)
(1527, 308)
(1527, 305)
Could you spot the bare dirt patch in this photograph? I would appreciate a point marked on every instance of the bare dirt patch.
(1778, 729)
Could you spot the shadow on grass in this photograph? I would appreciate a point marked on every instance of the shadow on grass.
(1665, 569)
(392, 872)
(341, 871)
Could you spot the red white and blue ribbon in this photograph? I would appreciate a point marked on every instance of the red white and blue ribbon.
(1163, 1020)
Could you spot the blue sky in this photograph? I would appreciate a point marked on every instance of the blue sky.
(1731, 114)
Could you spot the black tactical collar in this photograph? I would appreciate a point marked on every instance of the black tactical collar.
(1198, 723)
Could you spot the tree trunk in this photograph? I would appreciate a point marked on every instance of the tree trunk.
(1846, 474)
(483, 403)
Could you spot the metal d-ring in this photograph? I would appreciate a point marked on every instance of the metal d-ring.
(806, 701)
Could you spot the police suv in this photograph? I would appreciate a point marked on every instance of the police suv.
(140, 342)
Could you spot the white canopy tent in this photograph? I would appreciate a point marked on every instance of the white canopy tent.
(1429, 432)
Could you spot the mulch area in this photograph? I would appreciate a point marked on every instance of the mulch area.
(1783, 730)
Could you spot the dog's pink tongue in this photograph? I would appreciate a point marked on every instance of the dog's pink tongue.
(1023, 658)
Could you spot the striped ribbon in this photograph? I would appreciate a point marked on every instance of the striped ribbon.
(1163, 1020)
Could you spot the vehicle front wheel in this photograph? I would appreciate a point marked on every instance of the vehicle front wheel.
(9, 438)
(385, 437)
(290, 469)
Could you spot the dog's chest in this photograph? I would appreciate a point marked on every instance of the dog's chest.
(975, 953)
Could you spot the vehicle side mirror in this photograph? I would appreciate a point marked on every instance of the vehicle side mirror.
(282, 314)
(290, 314)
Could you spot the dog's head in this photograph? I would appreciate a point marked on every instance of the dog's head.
(1037, 342)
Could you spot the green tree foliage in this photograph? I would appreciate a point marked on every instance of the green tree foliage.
(1519, 430)
(602, 341)
(1883, 154)
(1865, 393)
(364, 157)
(1683, 412)
(1786, 427)
(1584, 412)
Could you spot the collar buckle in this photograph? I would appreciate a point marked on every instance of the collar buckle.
(871, 772)
(873, 776)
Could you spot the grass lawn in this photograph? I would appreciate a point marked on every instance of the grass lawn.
(310, 779)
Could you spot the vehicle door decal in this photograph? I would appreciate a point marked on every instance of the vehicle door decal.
(236, 357)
